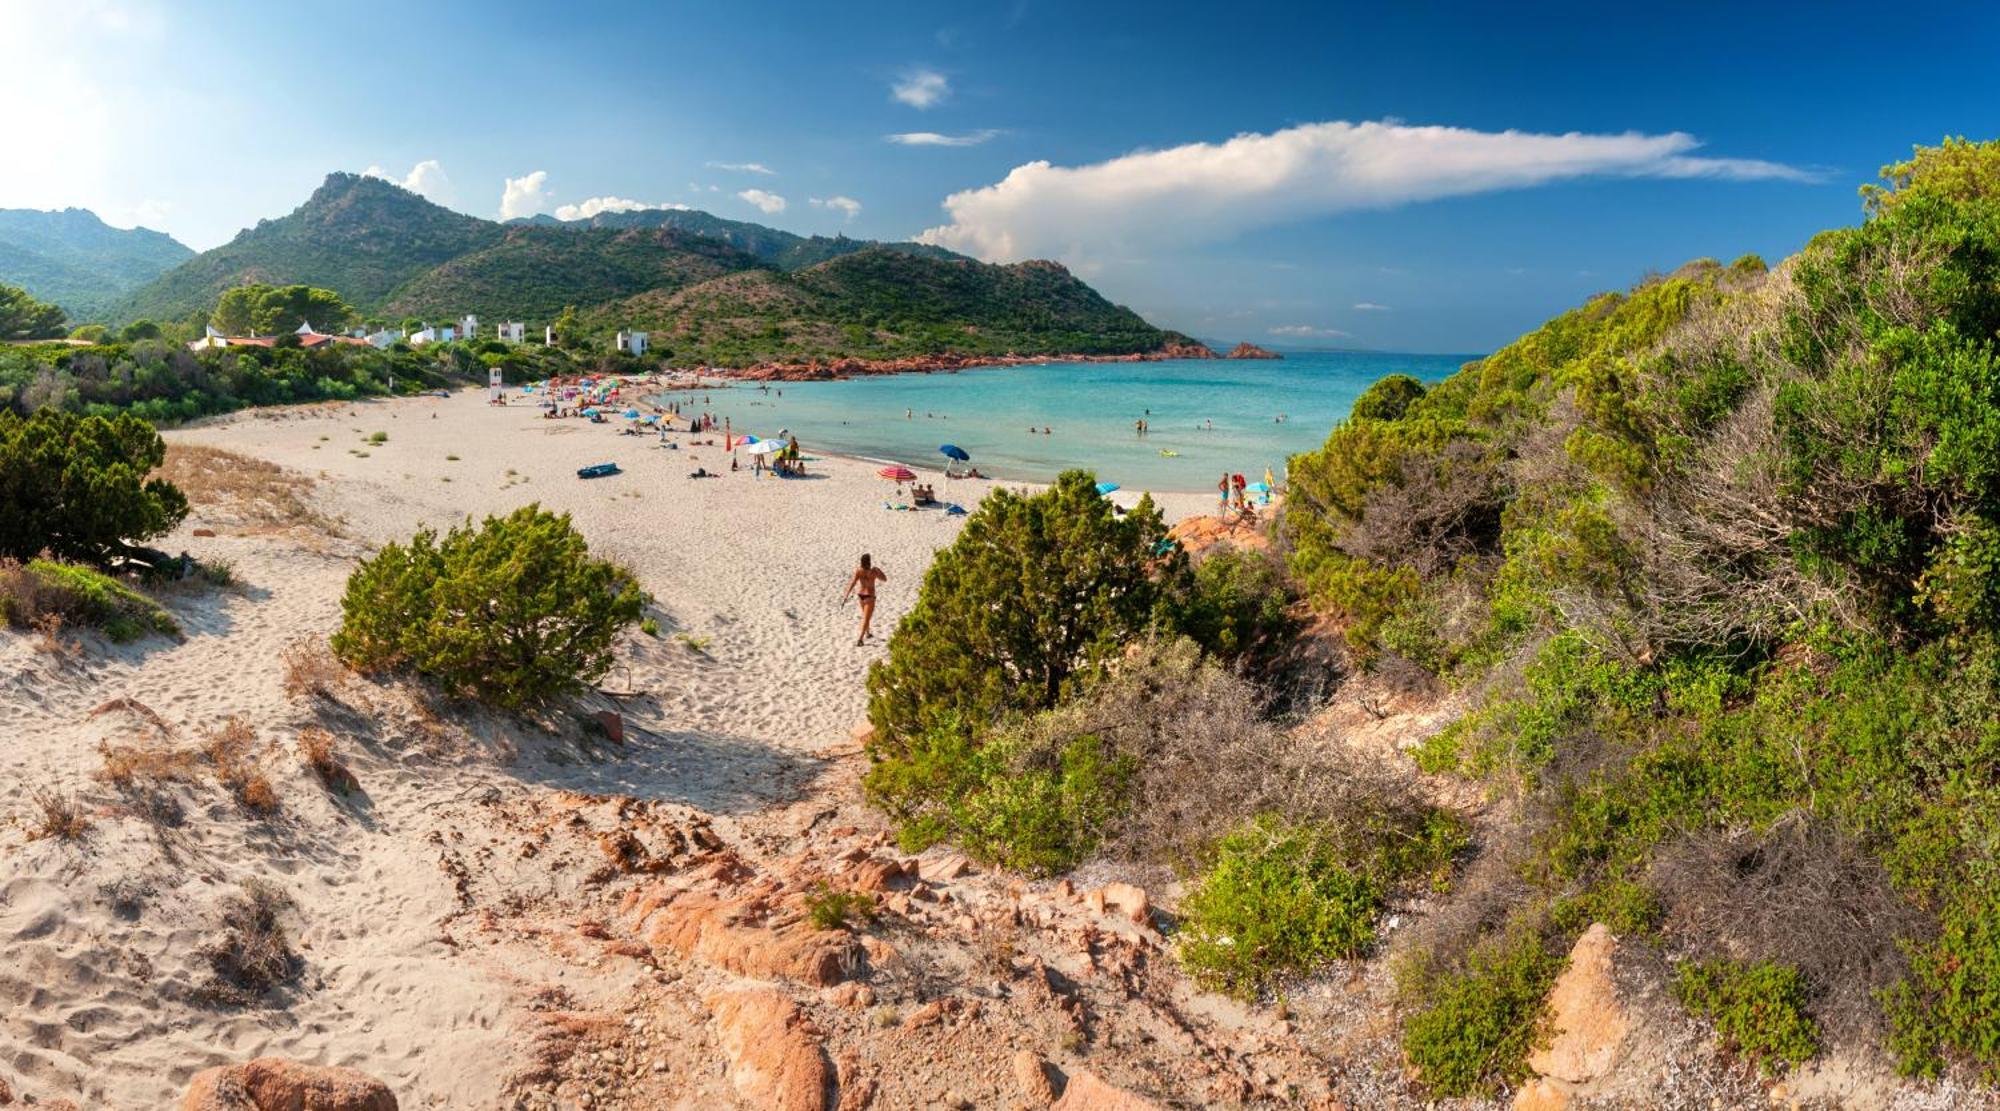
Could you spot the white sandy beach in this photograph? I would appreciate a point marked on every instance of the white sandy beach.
(103, 936)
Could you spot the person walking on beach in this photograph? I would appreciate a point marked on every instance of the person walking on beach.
(863, 581)
(1222, 493)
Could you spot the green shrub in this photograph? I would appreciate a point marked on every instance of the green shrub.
(1240, 607)
(1278, 901)
(1470, 1029)
(1950, 1004)
(378, 437)
(1758, 1009)
(80, 596)
(1036, 597)
(650, 627)
(76, 487)
(514, 612)
(830, 909)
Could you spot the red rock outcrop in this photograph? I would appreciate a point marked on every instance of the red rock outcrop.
(274, 1084)
(826, 370)
(1590, 1027)
(775, 1057)
(1251, 351)
(743, 935)
(1086, 1092)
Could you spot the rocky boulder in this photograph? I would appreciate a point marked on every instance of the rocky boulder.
(1591, 1027)
(274, 1084)
(775, 1057)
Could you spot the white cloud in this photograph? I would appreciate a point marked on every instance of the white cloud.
(847, 206)
(1307, 331)
(1211, 191)
(426, 179)
(584, 210)
(525, 195)
(935, 139)
(742, 167)
(921, 88)
(1369, 306)
(770, 203)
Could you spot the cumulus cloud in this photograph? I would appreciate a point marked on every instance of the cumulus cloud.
(1307, 331)
(935, 139)
(847, 206)
(1211, 191)
(1369, 306)
(742, 167)
(921, 88)
(425, 179)
(525, 195)
(769, 203)
(584, 210)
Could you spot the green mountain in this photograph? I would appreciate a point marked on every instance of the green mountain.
(781, 249)
(883, 303)
(360, 236)
(78, 261)
(726, 292)
(533, 272)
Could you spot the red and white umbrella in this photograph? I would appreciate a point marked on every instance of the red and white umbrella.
(897, 473)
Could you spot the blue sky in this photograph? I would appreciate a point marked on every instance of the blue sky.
(1409, 177)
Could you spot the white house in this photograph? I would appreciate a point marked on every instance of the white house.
(210, 339)
(426, 334)
(632, 343)
(468, 326)
(511, 331)
(383, 338)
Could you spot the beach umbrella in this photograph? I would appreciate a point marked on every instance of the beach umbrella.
(631, 414)
(1259, 487)
(953, 451)
(897, 473)
(1106, 487)
(766, 447)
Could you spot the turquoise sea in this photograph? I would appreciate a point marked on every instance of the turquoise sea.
(1216, 415)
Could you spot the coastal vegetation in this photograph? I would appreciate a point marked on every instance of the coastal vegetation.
(1711, 561)
(81, 487)
(1714, 562)
(514, 611)
(23, 317)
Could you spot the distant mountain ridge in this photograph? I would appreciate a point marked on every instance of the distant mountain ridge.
(73, 258)
(719, 291)
(781, 249)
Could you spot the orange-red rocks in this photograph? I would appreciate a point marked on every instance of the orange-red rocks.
(1086, 1092)
(273, 1084)
(775, 1058)
(1129, 900)
(1251, 351)
(741, 935)
(1033, 1077)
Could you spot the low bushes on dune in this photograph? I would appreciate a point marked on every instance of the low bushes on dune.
(33, 592)
(513, 611)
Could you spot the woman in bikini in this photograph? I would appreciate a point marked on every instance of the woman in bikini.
(863, 581)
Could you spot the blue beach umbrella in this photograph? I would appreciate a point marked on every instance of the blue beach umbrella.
(1259, 487)
(590, 412)
(631, 414)
(953, 451)
(1106, 487)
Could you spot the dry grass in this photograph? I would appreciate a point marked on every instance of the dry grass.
(131, 767)
(311, 671)
(259, 495)
(231, 748)
(254, 955)
(316, 752)
(57, 816)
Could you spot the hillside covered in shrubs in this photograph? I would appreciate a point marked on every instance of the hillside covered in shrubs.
(1714, 565)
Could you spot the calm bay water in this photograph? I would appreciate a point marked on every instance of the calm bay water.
(1089, 409)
